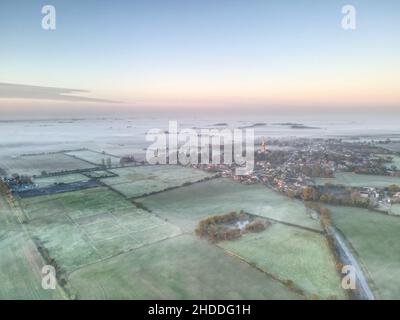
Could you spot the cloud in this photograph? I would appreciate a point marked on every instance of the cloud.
(21, 91)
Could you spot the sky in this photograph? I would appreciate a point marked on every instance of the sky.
(199, 54)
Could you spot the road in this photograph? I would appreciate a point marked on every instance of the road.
(348, 258)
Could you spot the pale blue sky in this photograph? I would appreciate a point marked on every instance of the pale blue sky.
(207, 52)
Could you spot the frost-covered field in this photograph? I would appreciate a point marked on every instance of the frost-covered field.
(82, 227)
(292, 254)
(96, 158)
(359, 180)
(20, 261)
(187, 205)
(178, 268)
(395, 209)
(43, 182)
(35, 164)
(375, 239)
(109, 247)
(141, 180)
(20, 270)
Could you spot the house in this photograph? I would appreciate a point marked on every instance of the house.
(397, 195)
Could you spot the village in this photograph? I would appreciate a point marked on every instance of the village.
(294, 166)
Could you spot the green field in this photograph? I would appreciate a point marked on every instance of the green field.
(359, 180)
(186, 206)
(292, 253)
(141, 180)
(395, 209)
(34, 165)
(76, 204)
(96, 158)
(20, 262)
(65, 178)
(179, 268)
(20, 269)
(6, 216)
(375, 239)
(82, 227)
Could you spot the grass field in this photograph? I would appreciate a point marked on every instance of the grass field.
(65, 178)
(375, 239)
(82, 227)
(20, 262)
(359, 180)
(179, 268)
(395, 209)
(186, 206)
(6, 216)
(94, 157)
(295, 254)
(142, 180)
(76, 204)
(20, 269)
(125, 150)
(34, 165)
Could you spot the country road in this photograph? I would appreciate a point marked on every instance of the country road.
(348, 258)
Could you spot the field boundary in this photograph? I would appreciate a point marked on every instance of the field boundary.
(69, 273)
(253, 265)
(22, 224)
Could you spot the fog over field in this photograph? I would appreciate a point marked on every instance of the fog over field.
(126, 134)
